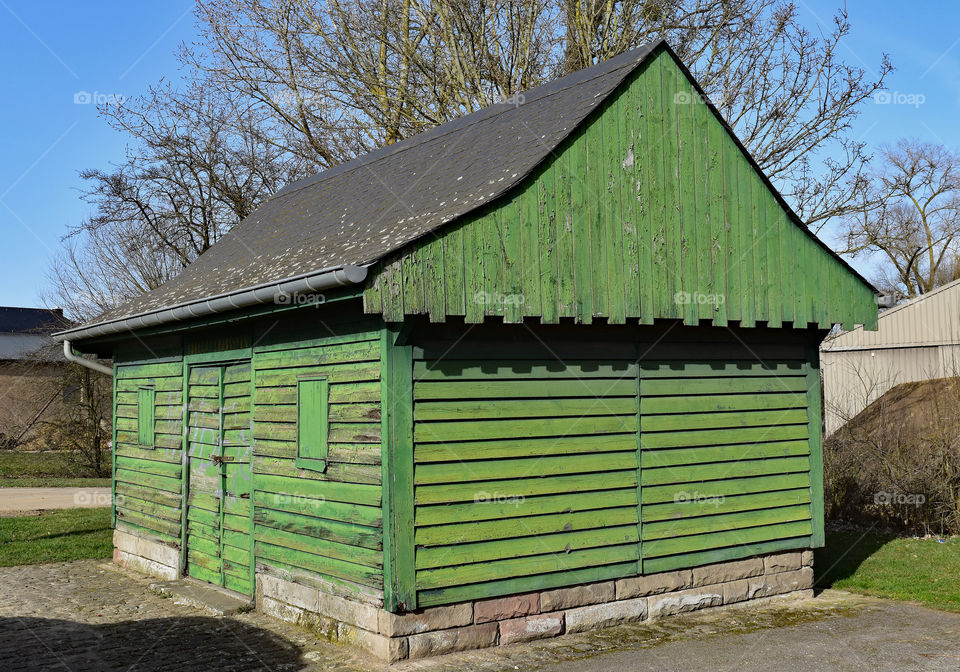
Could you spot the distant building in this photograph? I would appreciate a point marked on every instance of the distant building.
(917, 340)
(31, 368)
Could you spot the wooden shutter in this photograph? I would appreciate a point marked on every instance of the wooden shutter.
(312, 423)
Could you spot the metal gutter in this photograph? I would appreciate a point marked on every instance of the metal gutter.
(82, 361)
(278, 292)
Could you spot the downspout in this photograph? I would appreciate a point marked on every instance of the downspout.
(82, 361)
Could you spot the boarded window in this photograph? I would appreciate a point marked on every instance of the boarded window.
(145, 416)
(312, 423)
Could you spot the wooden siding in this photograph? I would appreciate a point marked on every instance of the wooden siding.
(319, 525)
(525, 474)
(650, 210)
(147, 481)
(725, 461)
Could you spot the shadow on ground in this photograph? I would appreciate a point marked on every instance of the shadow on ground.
(182, 644)
(842, 555)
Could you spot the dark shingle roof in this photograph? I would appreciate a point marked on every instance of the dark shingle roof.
(364, 209)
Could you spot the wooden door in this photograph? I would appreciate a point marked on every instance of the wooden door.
(219, 523)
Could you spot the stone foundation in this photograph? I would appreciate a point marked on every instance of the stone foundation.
(520, 618)
(146, 556)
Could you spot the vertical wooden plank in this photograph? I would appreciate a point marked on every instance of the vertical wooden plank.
(453, 269)
(732, 227)
(612, 208)
(658, 296)
(630, 216)
(510, 223)
(787, 286)
(718, 224)
(773, 221)
(397, 471)
(547, 227)
(582, 229)
(815, 414)
(531, 245)
(434, 277)
(473, 259)
(673, 267)
(564, 228)
(748, 289)
(690, 173)
(493, 246)
(703, 220)
(760, 266)
(113, 452)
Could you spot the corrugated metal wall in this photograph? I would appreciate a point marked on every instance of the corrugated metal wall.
(918, 340)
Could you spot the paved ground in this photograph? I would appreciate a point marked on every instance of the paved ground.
(86, 616)
(37, 499)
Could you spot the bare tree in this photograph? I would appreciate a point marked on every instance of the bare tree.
(917, 224)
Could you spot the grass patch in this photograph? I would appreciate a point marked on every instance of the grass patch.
(55, 536)
(45, 469)
(916, 570)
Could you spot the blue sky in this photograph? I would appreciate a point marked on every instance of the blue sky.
(54, 50)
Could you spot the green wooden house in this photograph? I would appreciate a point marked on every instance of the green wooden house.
(556, 355)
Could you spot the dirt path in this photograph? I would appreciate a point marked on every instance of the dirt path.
(39, 499)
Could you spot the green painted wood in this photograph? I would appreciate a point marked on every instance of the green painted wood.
(498, 509)
(814, 398)
(698, 558)
(522, 447)
(534, 467)
(729, 504)
(649, 210)
(465, 492)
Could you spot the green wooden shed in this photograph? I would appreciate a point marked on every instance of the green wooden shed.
(546, 367)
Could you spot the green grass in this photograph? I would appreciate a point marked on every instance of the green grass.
(917, 570)
(47, 469)
(55, 536)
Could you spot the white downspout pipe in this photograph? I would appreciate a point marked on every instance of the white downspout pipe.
(82, 361)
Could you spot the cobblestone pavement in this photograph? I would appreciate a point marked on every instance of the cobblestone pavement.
(89, 616)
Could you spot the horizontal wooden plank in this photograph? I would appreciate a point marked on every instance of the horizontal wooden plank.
(357, 514)
(507, 508)
(174, 384)
(532, 408)
(360, 351)
(320, 528)
(470, 430)
(158, 467)
(536, 564)
(504, 549)
(696, 473)
(343, 393)
(676, 387)
(725, 488)
(340, 373)
(363, 494)
(532, 467)
(516, 389)
(506, 490)
(523, 447)
(499, 369)
(746, 451)
(662, 423)
(150, 480)
(709, 557)
(723, 402)
(725, 521)
(701, 542)
(324, 552)
(161, 370)
(369, 474)
(709, 437)
(690, 508)
(149, 522)
(468, 531)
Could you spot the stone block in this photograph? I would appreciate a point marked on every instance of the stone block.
(782, 582)
(348, 611)
(727, 571)
(305, 618)
(807, 558)
(389, 649)
(685, 600)
(537, 626)
(456, 639)
(654, 584)
(145, 566)
(606, 614)
(782, 562)
(424, 620)
(735, 591)
(578, 596)
(503, 608)
(295, 594)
